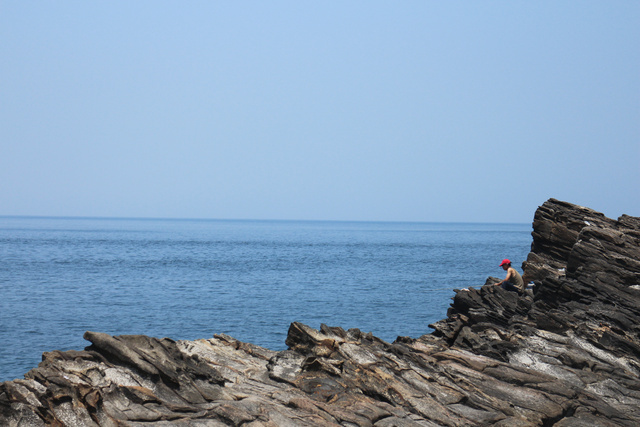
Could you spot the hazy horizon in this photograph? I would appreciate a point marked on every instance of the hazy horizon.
(118, 218)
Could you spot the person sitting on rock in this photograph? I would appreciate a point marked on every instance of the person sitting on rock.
(513, 281)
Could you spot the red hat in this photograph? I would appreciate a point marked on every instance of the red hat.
(504, 261)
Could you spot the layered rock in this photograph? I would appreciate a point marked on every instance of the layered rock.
(566, 355)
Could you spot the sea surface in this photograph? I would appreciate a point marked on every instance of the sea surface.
(190, 279)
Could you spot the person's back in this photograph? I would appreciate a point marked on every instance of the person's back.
(516, 279)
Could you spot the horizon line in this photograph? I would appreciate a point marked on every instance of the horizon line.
(123, 218)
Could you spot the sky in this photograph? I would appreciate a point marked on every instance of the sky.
(367, 111)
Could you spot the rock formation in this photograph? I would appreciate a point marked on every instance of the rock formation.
(566, 354)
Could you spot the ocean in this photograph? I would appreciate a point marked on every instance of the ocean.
(190, 279)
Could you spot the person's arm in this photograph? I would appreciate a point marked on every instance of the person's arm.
(506, 279)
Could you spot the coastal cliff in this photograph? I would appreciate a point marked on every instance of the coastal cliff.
(567, 353)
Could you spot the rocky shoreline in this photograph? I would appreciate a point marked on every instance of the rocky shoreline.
(565, 354)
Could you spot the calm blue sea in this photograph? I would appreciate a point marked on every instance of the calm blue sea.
(189, 279)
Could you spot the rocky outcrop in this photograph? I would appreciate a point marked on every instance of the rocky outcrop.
(567, 354)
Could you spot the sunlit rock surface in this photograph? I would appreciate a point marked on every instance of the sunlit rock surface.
(565, 354)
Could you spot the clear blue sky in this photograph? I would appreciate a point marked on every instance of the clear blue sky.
(401, 111)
